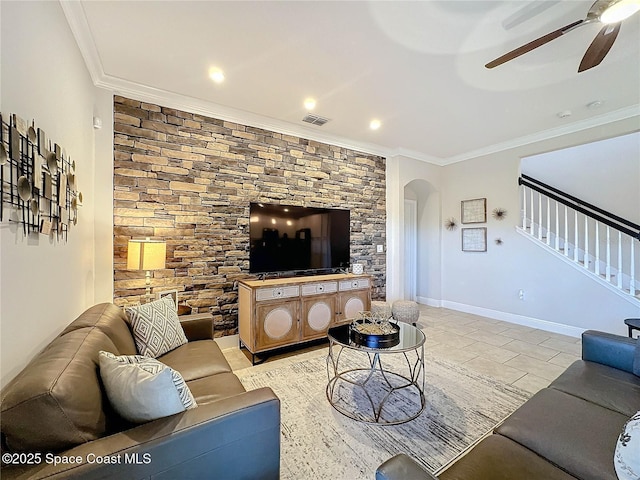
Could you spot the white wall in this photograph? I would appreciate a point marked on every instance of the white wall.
(597, 172)
(46, 284)
(557, 296)
(401, 171)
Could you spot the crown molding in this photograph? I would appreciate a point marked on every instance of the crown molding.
(415, 155)
(616, 115)
(198, 106)
(80, 28)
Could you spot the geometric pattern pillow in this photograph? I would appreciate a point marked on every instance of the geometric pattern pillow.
(626, 458)
(141, 389)
(156, 328)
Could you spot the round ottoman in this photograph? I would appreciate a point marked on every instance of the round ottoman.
(405, 311)
(381, 308)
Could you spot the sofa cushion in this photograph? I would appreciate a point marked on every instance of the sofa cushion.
(574, 434)
(627, 455)
(196, 360)
(498, 458)
(57, 401)
(605, 386)
(142, 388)
(112, 320)
(216, 387)
(156, 327)
(636, 358)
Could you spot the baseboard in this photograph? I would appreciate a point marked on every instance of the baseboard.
(432, 302)
(230, 341)
(515, 318)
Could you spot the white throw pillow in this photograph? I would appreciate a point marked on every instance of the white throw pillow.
(141, 389)
(156, 327)
(627, 456)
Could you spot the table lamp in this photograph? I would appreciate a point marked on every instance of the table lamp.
(146, 255)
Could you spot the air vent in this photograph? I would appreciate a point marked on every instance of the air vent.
(315, 120)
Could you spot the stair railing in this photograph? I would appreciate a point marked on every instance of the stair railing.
(603, 243)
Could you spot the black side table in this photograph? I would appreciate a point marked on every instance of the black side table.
(633, 324)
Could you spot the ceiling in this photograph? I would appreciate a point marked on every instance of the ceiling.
(418, 67)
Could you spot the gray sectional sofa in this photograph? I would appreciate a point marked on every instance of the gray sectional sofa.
(56, 409)
(566, 431)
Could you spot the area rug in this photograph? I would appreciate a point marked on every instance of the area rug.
(317, 442)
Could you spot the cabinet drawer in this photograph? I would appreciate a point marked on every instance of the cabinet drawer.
(319, 288)
(274, 293)
(354, 284)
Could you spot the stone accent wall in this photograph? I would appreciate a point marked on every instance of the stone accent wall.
(189, 179)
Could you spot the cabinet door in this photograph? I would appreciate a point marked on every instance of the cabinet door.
(277, 324)
(350, 303)
(318, 313)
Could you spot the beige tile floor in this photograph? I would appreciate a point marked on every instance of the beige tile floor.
(526, 357)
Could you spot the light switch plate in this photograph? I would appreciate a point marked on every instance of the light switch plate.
(379, 248)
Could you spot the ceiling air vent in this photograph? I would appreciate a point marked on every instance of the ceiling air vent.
(315, 120)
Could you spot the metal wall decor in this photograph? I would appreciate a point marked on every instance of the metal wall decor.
(474, 211)
(37, 180)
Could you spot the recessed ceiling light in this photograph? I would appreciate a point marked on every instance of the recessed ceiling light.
(595, 104)
(564, 114)
(216, 75)
(375, 124)
(310, 103)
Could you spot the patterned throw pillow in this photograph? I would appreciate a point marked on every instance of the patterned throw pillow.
(156, 327)
(627, 455)
(142, 389)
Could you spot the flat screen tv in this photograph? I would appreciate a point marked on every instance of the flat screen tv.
(287, 238)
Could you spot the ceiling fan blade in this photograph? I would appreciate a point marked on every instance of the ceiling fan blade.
(533, 45)
(599, 47)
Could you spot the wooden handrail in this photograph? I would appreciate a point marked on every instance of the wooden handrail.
(608, 218)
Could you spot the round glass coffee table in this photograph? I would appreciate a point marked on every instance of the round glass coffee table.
(363, 387)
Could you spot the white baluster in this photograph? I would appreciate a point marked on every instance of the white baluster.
(548, 221)
(597, 265)
(632, 282)
(533, 213)
(524, 208)
(586, 242)
(607, 271)
(566, 231)
(539, 216)
(575, 236)
(619, 259)
(557, 229)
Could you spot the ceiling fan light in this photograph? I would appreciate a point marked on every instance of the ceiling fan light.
(620, 11)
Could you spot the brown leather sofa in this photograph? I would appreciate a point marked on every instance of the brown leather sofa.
(566, 431)
(56, 411)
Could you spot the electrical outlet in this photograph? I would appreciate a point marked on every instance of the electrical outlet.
(379, 248)
(521, 294)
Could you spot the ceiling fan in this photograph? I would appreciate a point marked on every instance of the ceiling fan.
(608, 12)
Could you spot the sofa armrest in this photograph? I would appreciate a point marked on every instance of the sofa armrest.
(612, 350)
(236, 437)
(402, 467)
(198, 326)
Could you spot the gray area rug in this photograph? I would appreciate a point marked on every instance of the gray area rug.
(320, 443)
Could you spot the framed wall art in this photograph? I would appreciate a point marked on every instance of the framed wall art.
(474, 211)
(474, 239)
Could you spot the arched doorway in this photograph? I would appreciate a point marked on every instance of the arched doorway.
(422, 233)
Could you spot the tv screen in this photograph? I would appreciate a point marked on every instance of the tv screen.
(288, 238)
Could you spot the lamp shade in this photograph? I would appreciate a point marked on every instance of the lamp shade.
(146, 254)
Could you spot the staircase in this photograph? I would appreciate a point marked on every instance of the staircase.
(598, 243)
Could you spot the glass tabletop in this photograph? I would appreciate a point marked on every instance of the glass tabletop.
(410, 339)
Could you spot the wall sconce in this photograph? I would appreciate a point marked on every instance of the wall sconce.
(146, 255)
